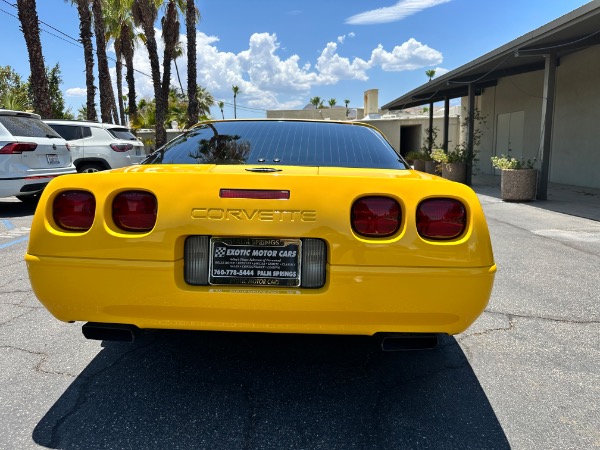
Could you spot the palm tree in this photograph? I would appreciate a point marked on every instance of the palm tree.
(85, 33)
(145, 13)
(347, 102)
(205, 101)
(316, 101)
(221, 106)
(430, 73)
(31, 32)
(120, 27)
(192, 16)
(178, 53)
(236, 91)
(332, 102)
(108, 108)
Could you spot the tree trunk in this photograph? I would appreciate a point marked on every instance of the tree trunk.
(31, 32)
(127, 48)
(119, 68)
(147, 15)
(170, 37)
(85, 32)
(107, 97)
(192, 87)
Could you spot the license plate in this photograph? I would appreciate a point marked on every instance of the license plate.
(255, 261)
(53, 159)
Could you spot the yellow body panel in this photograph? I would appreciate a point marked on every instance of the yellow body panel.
(398, 284)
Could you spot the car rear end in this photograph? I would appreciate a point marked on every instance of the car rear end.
(264, 247)
(31, 154)
(127, 148)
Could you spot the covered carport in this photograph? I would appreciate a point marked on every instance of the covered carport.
(538, 51)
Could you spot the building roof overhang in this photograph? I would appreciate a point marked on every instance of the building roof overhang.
(570, 33)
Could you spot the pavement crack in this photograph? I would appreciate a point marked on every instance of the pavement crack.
(83, 392)
(545, 318)
(43, 358)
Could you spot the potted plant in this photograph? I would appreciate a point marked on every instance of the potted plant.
(416, 159)
(453, 164)
(518, 178)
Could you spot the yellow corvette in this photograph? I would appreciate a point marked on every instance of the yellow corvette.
(280, 226)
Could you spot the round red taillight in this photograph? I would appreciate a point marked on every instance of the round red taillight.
(135, 211)
(441, 218)
(376, 216)
(74, 210)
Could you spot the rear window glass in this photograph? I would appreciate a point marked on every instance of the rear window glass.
(122, 133)
(296, 143)
(25, 126)
(68, 132)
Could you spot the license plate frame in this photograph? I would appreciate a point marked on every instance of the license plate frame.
(52, 159)
(255, 261)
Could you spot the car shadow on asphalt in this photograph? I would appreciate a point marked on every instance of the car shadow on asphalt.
(175, 389)
(9, 209)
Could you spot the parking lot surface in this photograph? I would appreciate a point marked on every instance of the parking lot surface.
(526, 375)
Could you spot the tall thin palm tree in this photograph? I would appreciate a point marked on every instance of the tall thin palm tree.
(31, 32)
(236, 91)
(119, 23)
(108, 108)
(221, 106)
(85, 33)
(145, 13)
(192, 16)
(347, 102)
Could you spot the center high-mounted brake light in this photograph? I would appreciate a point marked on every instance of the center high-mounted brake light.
(13, 148)
(258, 194)
(135, 211)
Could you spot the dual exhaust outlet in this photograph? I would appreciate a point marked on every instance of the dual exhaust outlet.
(389, 342)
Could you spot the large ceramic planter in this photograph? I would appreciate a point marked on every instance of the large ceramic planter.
(419, 164)
(518, 185)
(456, 171)
(431, 166)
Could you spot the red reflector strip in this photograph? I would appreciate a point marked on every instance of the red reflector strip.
(258, 194)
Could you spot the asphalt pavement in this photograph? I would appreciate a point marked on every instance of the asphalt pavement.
(526, 375)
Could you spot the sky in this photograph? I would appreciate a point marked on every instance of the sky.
(281, 53)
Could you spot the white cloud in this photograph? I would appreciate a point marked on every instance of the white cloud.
(439, 71)
(408, 56)
(342, 38)
(76, 92)
(268, 81)
(399, 11)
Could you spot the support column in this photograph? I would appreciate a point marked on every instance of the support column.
(446, 123)
(547, 121)
(470, 134)
(430, 127)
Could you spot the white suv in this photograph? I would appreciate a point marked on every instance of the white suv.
(31, 154)
(99, 146)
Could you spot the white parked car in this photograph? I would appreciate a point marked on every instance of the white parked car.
(31, 154)
(99, 146)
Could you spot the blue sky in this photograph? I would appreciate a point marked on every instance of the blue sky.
(281, 53)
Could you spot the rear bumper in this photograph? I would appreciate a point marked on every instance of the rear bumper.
(355, 300)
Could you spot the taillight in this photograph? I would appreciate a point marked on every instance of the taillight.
(376, 216)
(121, 147)
(135, 211)
(17, 147)
(74, 210)
(441, 218)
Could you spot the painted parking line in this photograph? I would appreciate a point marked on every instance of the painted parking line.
(7, 224)
(16, 241)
